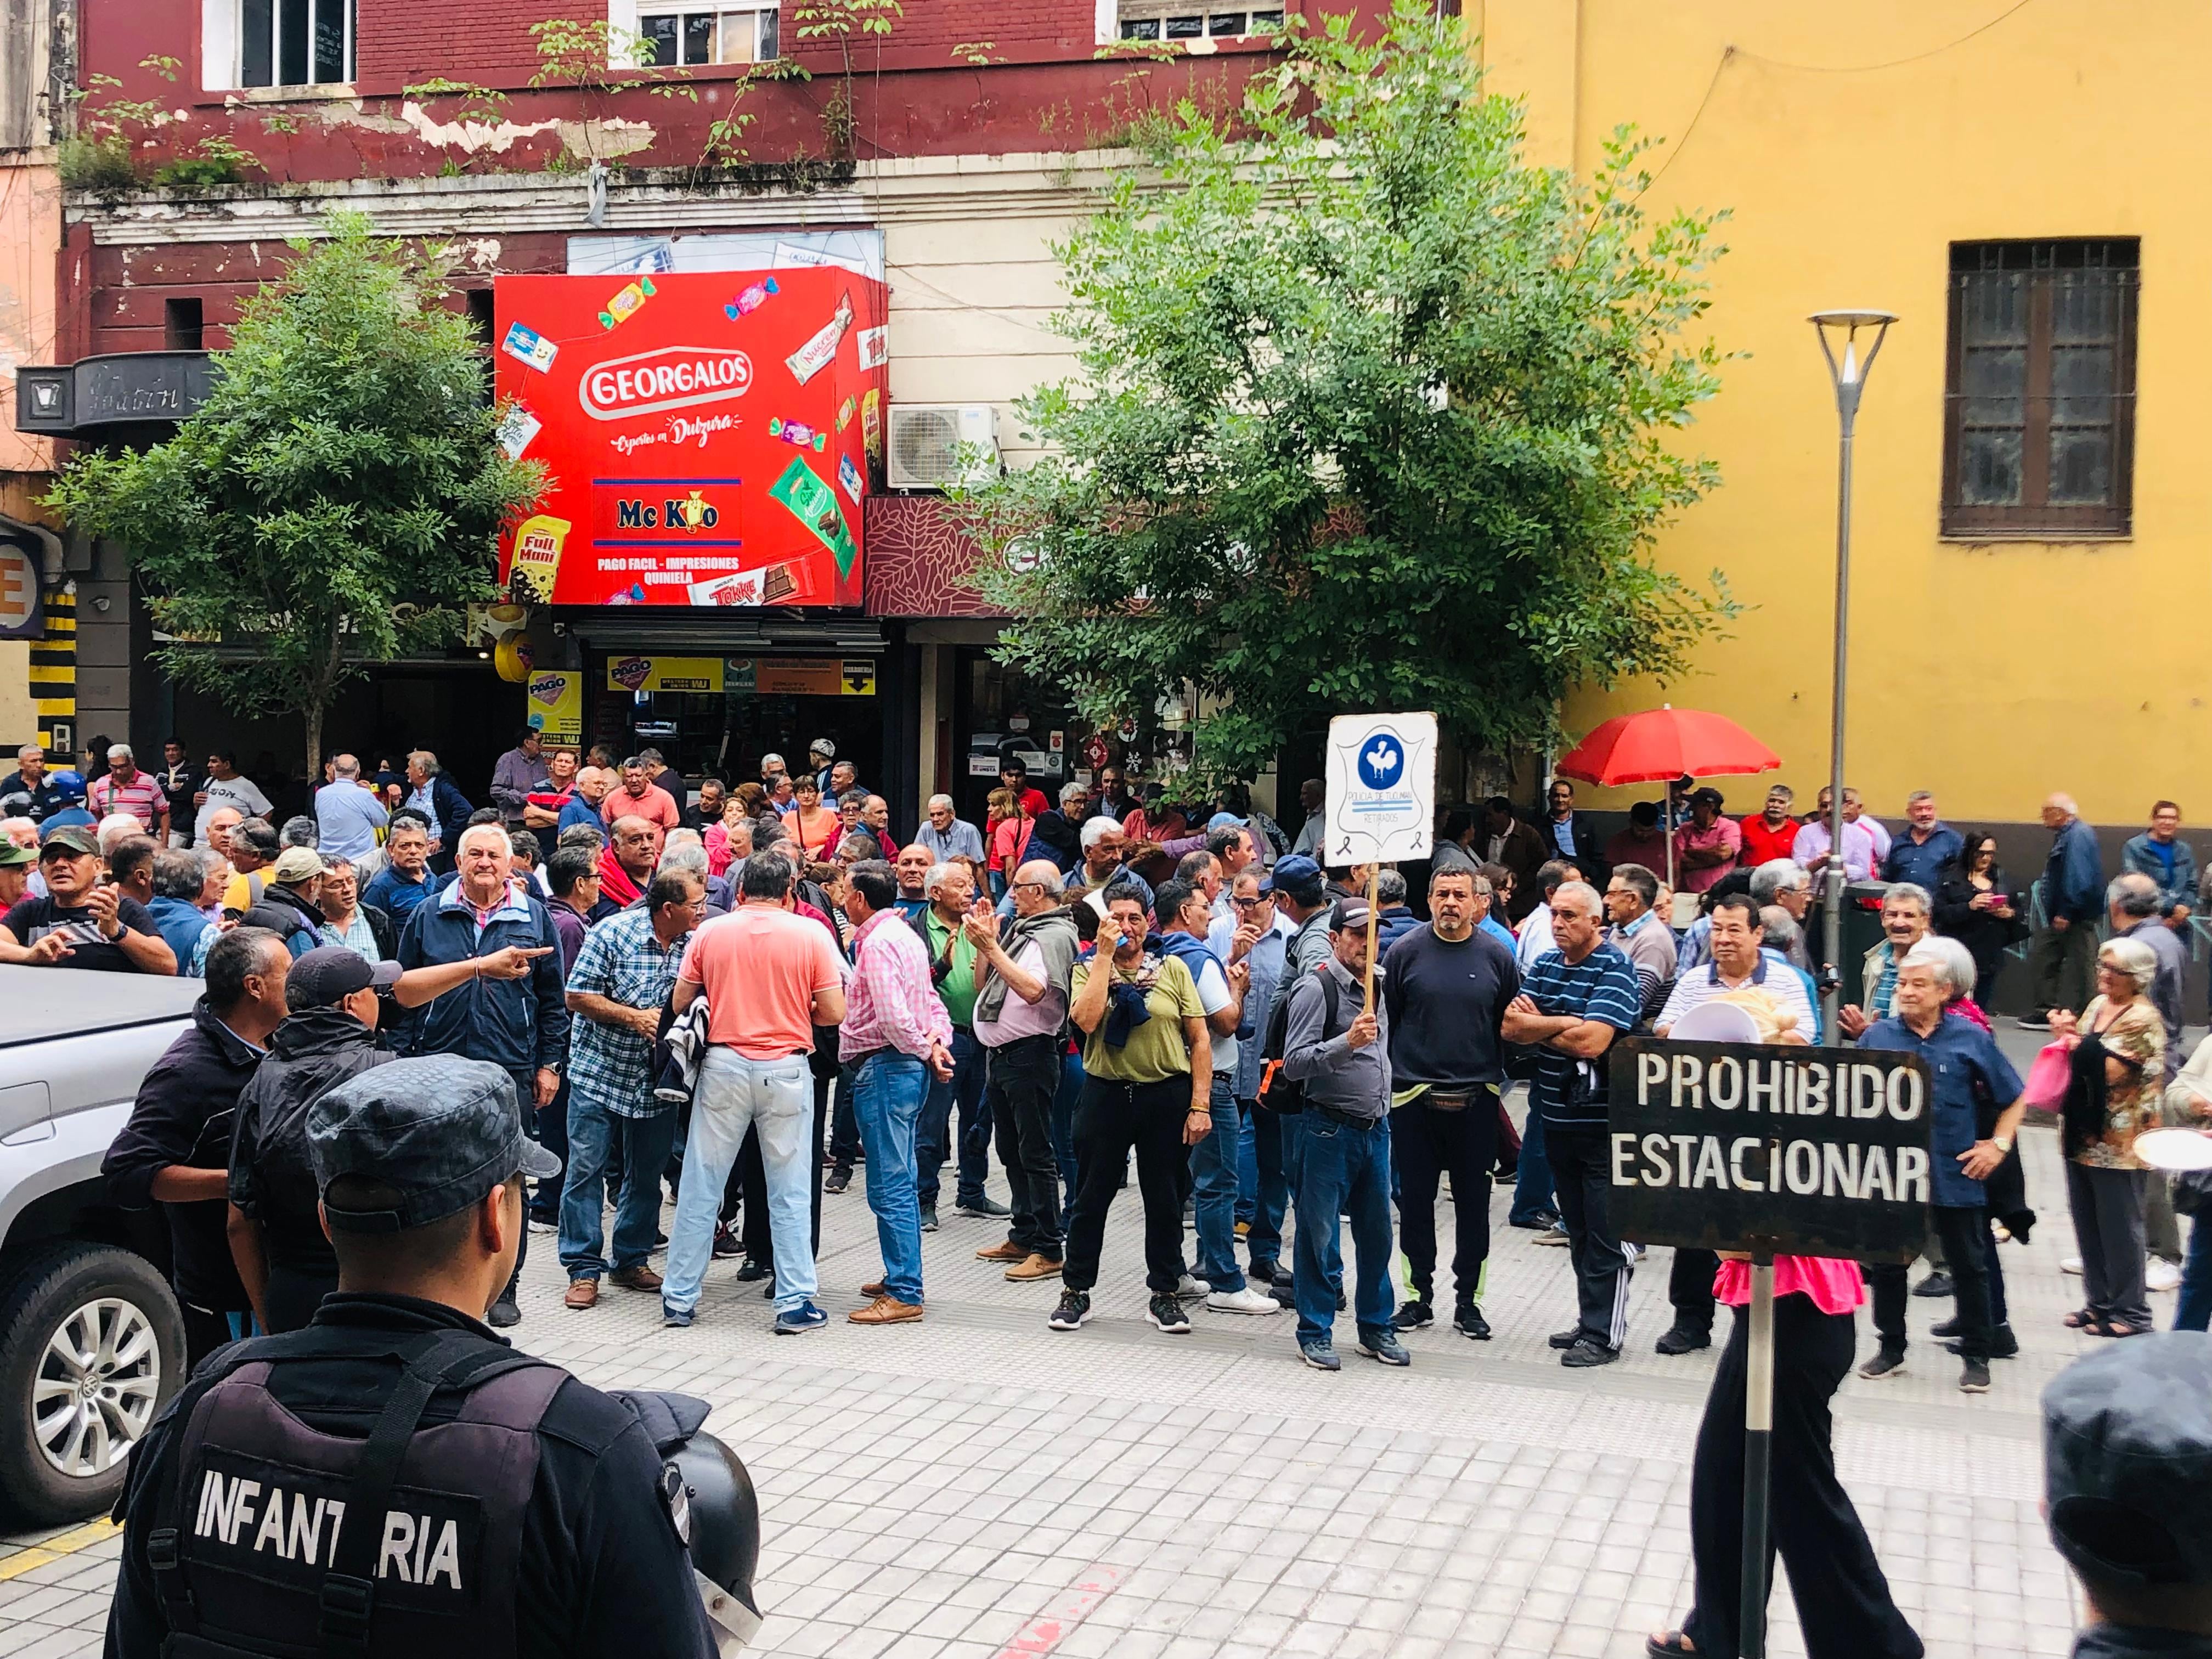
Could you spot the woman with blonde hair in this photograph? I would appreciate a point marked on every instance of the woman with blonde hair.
(2118, 1048)
(1008, 826)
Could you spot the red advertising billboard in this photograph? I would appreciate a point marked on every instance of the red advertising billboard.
(711, 437)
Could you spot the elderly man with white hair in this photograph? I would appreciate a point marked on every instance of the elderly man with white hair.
(1575, 1000)
(947, 835)
(2062, 957)
(126, 789)
(686, 851)
(1964, 1066)
(116, 828)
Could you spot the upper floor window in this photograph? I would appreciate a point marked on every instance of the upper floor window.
(2039, 411)
(724, 34)
(1179, 19)
(295, 42)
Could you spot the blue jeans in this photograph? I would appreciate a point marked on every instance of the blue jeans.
(2193, 1311)
(1063, 1123)
(1531, 1185)
(735, 1094)
(1342, 1170)
(889, 1089)
(1213, 1191)
(1273, 1158)
(964, 1086)
(1248, 1165)
(634, 1171)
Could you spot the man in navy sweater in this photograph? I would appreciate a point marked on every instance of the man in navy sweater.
(2062, 957)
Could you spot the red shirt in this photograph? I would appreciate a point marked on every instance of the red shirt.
(1762, 845)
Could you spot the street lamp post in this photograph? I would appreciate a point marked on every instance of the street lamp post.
(1849, 360)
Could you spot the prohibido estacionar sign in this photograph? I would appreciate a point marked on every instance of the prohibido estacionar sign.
(1770, 1147)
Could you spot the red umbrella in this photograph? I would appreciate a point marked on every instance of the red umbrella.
(1661, 744)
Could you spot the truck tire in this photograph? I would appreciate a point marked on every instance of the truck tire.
(92, 1347)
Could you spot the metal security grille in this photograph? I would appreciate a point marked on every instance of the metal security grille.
(2041, 388)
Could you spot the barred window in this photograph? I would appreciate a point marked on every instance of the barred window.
(2041, 388)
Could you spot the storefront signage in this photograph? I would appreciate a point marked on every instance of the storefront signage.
(1769, 1147)
(664, 673)
(556, 705)
(804, 677)
(711, 437)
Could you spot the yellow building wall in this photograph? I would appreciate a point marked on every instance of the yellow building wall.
(1854, 148)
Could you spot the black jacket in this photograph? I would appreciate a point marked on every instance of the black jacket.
(604, 1573)
(183, 1116)
(271, 1179)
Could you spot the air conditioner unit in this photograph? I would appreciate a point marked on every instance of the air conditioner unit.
(934, 445)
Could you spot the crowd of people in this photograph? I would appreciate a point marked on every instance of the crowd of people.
(740, 996)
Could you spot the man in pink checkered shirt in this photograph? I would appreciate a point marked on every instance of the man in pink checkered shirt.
(896, 1035)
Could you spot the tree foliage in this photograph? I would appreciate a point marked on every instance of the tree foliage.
(1371, 415)
(338, 492)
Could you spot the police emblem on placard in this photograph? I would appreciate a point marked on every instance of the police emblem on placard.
(1381, 788)
(678, 1497)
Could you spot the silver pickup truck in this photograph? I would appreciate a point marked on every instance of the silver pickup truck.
(91, 1342)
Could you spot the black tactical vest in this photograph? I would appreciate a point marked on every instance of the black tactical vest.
(280, 1539)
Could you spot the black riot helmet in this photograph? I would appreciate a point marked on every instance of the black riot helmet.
(711, 1499)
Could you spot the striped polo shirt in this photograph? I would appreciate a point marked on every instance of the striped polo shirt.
(1601, 986)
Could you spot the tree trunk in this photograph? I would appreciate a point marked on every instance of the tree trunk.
(313, 712)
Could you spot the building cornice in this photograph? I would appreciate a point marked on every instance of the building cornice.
(909, 190)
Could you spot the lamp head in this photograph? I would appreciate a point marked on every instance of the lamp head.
(1850, 357)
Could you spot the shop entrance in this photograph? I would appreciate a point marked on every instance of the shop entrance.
(717, 716)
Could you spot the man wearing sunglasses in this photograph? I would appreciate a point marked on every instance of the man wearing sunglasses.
(81, 921)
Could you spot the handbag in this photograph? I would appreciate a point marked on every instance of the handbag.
(2048, 1078)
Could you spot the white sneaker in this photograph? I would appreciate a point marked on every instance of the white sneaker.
(1246, 1301)
(1190, 1290)
(2158, 1275)
(2071, 1264)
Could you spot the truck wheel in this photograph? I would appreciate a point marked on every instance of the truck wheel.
(92, 1347)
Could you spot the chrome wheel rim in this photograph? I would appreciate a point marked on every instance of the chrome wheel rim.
(98, 1384)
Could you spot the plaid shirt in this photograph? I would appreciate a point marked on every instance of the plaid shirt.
(890, 1003)
(610, 1066)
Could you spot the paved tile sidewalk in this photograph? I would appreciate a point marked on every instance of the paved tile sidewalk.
(976, 1486)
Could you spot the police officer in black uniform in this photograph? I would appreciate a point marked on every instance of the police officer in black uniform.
(2127, 1445)
(395, 1480)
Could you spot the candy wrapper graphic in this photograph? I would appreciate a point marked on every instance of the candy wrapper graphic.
(527, 345)
(750, 301)
(536, 564)
(816, 354)
(872, 425)
(635, 595)
(874, 345)
(770, 586)
(814, 504)
(516, 429)
(797, 433)
(625, 304)
(845, 414)
(849, 477)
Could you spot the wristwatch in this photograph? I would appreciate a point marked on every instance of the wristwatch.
(2002, 1143)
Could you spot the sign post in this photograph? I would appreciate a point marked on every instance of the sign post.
(1381, 799)
(1762, 1149)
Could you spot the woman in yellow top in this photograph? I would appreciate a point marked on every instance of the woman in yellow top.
(2118, 1053)
(1148, 1083)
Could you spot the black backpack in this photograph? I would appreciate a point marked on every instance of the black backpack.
(1278, 1091)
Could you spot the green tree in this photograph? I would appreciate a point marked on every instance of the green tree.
(1371, 415)
(339, 492)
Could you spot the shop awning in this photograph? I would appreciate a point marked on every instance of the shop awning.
(700, 631)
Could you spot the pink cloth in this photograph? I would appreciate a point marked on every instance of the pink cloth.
(1836, 1287)
(890, 1003)
(1966, 1008)
(719, 856)
(1724, 837)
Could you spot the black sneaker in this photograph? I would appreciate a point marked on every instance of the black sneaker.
(1566, 1338)
(929, 1218)
(984, 1209)
(1073, 1310)
(837, 1181)
(1382, 1343)
(1537, 1223)
(2003, 1344)
(1414, 1316)
(725, 1244)
(1948, 1328)
(1469, 1323)
(503, 1314)
(1974, 1377)
(1887, 1363)
(1166, 1312)
(1936, 1284)
(1678, 1341)
(753, 1272)
(2034, 1022)
(1587, 1352)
